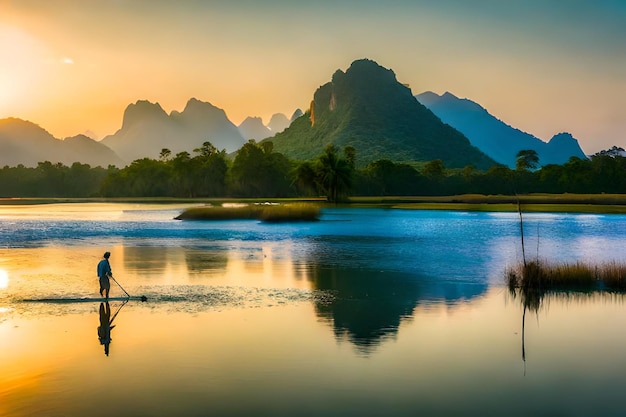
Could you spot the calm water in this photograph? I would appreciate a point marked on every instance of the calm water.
(367, 312)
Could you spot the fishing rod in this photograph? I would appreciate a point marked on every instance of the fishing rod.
(142, 298)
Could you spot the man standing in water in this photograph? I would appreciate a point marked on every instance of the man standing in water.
(104, 272)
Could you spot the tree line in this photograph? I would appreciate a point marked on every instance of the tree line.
(258, 171)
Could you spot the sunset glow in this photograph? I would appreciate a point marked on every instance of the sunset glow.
(4, 279)
(73, 67)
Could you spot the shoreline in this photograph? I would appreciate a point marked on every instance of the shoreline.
(558, 203)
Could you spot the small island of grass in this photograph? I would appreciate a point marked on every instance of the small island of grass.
(266, 212)
(546, 276)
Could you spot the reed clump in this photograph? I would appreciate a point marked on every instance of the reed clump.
(290, 213)
(613, 275)
(263, 212)
(544, 276)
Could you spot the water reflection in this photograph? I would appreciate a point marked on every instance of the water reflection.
(369, 306)
(154, 261)
(106, 324)
(537, 300)
(200, 261)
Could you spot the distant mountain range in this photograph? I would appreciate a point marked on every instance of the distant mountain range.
(25, 143)
(494, 137)
(147, 129)
(253, 127)
(365, 107)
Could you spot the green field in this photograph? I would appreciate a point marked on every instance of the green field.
(572, 203)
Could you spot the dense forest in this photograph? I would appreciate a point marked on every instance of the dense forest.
(258, 171)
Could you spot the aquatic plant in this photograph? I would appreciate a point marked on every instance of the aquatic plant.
(543, 275)
(289, 212)
(266, 212)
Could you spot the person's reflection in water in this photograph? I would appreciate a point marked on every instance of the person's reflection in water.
(106, 325)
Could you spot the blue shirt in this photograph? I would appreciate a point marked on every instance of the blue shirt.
(104, 268)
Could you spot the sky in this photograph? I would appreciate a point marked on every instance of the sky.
(542, 66)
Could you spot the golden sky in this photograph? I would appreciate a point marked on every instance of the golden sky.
(542, 66)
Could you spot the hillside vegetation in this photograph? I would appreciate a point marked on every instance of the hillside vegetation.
(367, 108)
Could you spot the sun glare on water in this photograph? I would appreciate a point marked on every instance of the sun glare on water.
(4, 279)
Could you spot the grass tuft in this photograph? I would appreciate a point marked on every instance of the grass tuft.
(545, 276)
(265, 212)
(289, 213)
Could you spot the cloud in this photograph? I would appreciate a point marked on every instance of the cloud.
(68, 61)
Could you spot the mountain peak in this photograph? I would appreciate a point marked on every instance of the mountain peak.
(565, 145)
(563, 136)
(278, 123)
(27, 143)
(15, 126)
(364, 71)
(448, 100)
(193, 105)
(77, 138)
(141, 110)
(367, 108)
(297, 113)
(147, 129)
(449, 96)
(366, 64)
(427, 98)
(253, 128)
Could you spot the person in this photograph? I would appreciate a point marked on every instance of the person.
(104, 272)
(104, 330)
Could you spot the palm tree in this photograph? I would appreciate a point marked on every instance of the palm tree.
(335, 173)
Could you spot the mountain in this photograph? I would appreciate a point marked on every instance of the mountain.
(297, 113)
(366, 107)
(253, 128)
(278, 123)
(24, 142)
(494, 137)
(89, 151)
(147, 129)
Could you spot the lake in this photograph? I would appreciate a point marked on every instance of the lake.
(367, 312)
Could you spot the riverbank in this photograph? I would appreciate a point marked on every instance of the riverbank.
(570, 203)
(564, 203)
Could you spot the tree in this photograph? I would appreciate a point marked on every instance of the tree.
(142, 178)
(349, 153)
(305, 179)
(206, 150)
(526, 159)
(434, 170)
(335, 173)
(208, 171)
(182, 173)
(384, 177)
(259, 172)
(165, 154)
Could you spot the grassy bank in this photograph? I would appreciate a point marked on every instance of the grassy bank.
(572, 203)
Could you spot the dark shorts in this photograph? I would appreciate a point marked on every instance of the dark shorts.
(105, 284)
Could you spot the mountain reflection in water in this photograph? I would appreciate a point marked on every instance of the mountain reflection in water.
(369, 306)
(367, 312)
